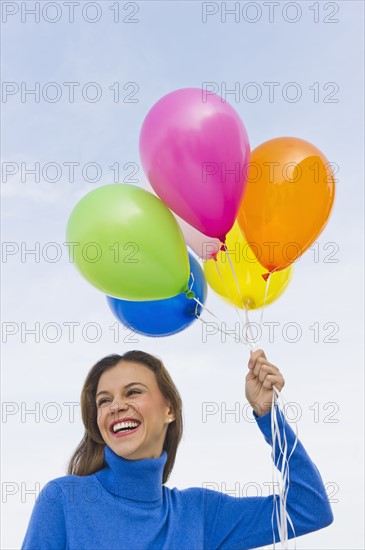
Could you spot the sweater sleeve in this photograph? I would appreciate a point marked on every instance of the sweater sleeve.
(243, 523)
(47, 529)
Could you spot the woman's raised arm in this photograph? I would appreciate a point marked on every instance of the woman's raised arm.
(242, 523)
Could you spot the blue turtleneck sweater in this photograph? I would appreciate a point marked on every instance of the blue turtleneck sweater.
(124, 506)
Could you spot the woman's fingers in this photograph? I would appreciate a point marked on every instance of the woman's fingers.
(265, 370)
(254, 356)
(267, 373)
(274, 380)
(263, 366)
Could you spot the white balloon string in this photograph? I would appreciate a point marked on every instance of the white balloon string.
(244, 306)
(227, 290)
(265, 298)
(253, 346)
(196, 299)
(236, 336)
(234, 277)
(192, 280)
(199, 303)
(237, 310)
(282, 480)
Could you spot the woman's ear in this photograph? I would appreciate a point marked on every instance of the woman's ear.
(171, 413)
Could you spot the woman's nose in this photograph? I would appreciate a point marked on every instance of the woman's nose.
(118, 405)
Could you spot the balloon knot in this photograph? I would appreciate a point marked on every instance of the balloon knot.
(190, 294)
(265, 276)
(249, 303)
(223, 248)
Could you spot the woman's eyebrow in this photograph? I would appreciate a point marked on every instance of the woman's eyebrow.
(126, 386)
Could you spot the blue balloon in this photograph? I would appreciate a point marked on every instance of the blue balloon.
(163, 317)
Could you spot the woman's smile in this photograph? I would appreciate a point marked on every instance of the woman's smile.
(124, 427)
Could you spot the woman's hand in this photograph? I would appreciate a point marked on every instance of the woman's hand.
(262, 376)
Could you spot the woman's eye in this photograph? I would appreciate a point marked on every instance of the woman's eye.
(101, 402)
(133, 391)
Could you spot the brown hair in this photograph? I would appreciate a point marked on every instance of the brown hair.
(88, 457)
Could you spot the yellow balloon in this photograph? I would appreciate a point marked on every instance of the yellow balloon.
(248, 270)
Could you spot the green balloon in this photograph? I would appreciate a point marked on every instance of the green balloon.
(127, 243)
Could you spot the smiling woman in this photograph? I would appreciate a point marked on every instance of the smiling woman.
(114, 496)
(137, 387)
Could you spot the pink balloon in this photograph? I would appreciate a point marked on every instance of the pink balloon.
(195, 151)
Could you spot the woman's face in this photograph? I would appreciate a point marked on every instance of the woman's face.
(129, 392)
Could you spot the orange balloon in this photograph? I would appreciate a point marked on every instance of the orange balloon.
(288, 200)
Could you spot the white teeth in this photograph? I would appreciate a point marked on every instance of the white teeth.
(121, 425)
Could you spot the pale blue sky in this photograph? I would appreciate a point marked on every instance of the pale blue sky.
(170, 48)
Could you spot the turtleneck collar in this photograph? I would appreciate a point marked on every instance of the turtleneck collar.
(139, 480)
